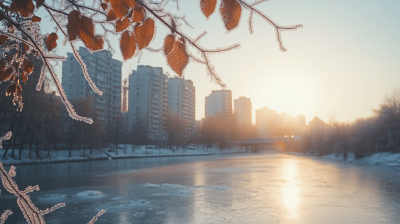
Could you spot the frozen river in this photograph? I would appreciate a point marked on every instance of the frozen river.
(241, 188)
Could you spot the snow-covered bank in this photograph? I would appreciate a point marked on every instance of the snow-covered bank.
(384, 158)
(124, 151)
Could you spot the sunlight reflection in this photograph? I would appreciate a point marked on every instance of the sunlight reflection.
(290, 190)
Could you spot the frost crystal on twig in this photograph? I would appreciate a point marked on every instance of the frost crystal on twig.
(94, 219)
(5, 138)
(5, 215)
(31, 213)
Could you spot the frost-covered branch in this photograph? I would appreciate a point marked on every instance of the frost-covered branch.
(31, 213)
(278, 28)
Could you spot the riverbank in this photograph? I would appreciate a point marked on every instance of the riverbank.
(123, 151)
(384, 158)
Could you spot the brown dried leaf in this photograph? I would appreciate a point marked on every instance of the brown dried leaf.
(39, 3)
(111, 15)
(51, 41)
(177, 57)
(144, 33)
(168, 43)
(121, 25)
(86, 31)
(2, 65)
(11, 89)
(138, 14)
(98, 43)
(36, 19)
(208, 7)
(127, 45)
(3, 39)
(104, 6)
(24, 47)
(12, 79)
(13, 7)
(73, 24)
(231, 12)
(24, 7)
(6, 74)
(121, 7)
(28, 66)
(24, 76)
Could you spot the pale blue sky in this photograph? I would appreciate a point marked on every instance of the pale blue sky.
(342, 62)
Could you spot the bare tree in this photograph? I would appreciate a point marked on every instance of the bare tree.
(175, 128)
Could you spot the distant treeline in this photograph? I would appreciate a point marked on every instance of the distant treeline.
(380, 133)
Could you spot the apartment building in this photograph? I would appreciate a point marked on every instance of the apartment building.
(242, 112)
(219, 105)
(181, 102)
(148, 101)
(105, 73)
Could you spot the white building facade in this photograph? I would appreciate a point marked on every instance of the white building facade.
(243, 112)
(105, 73)
(182, 102)
(219, 102)
(148, 101)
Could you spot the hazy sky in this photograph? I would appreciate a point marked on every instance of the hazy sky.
(342, 62)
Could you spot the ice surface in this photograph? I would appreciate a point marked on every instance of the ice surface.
(90, 194)
(114, 173)
(177, 189)
(123, 204)
(53, 197)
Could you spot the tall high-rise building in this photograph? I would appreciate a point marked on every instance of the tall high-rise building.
(219, 102)
(148, 101)
(181, 102)
(219, 105)
(105, 72)
(125, 87)
(243, 111)
(266, 122)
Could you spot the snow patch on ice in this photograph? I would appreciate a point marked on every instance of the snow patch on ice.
(90, 194)
(124, 151)
(384, 158)
(219, 188)
(173, 185)
(152, 185)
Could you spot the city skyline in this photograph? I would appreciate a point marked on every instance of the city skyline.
(338, 63)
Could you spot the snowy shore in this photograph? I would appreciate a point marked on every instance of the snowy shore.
(384, 158)
(124, 151)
